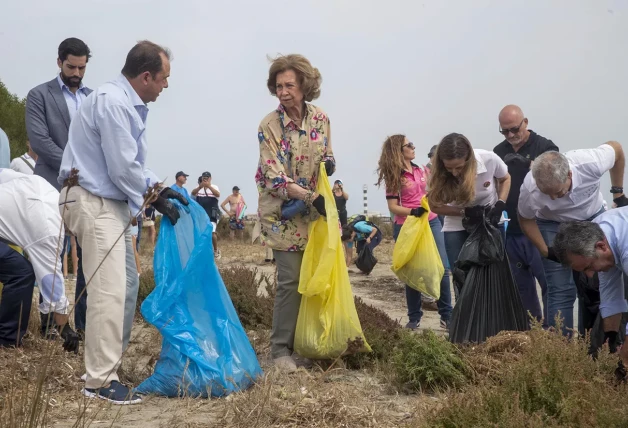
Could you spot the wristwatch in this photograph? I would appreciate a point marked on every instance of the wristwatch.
(616, 189)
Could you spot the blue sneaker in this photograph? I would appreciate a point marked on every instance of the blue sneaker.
(115, 393)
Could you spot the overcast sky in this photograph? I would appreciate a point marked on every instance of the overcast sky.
(424, 69)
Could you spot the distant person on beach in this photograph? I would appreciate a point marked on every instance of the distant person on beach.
(237, 208)
(207, 195)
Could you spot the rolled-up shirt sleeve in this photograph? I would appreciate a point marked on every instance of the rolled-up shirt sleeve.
(273, 164)
(121, 151)
(612, 299)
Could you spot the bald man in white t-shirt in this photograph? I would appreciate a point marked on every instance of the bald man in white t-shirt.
(566, 187)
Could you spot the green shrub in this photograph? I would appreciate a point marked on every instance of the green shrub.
(255, 310)
(380, 331)
(425, 361)
(554, 383)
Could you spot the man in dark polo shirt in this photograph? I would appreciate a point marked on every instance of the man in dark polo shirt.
(518, 151)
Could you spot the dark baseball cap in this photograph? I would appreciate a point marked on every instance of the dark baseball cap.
(180, 173)
(206, 174)
(432, 151)
(236, 188)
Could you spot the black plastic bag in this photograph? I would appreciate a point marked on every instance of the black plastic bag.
(366, 260)
(489, 301)
(483, 246)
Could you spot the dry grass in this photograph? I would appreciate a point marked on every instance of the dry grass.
(530, 379)
(314, 399)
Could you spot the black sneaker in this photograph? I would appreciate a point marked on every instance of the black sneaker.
(444, 324)
(413, 325)
(115, 393)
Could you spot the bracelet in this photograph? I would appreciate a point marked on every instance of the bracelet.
(617, 189)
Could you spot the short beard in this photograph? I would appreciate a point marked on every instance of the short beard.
(69, 83)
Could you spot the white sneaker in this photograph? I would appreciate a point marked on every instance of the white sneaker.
(218, 255)
(285, 364)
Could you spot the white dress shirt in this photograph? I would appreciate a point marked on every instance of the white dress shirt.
(30, 218)
(107, 144)
(614, 224)
(583, 200)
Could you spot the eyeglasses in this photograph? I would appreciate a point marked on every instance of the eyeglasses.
(514, 131)
(410, 145)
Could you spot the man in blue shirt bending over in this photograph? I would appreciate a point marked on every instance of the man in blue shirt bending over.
(600, 246)
(107, 145)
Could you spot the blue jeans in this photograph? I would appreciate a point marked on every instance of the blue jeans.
(454, 242)
(561, 288)
(413, 297)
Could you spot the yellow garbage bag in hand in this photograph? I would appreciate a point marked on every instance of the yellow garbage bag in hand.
(416, 260)
(327, 315)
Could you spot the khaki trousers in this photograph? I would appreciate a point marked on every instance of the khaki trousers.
(98, 223)
(287, 302)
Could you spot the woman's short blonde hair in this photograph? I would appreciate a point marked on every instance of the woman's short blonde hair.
(309, 77)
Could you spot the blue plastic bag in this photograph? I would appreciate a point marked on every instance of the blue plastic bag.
(205, 350)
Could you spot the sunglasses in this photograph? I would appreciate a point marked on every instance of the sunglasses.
(514, 131)
(410, 145)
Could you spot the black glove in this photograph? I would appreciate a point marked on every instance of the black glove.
(551, 255)
(611, 336)
(70, 338)
(167, 208)
(516, 159)
(495, 214)
(418, 212)
(475, 212)
(621, 201)
(319, 204)
(168, 193)
(330, 167)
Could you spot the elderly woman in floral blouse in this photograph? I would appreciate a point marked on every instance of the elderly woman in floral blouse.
(293, 141)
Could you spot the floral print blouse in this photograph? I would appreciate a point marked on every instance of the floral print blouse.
(289, 154)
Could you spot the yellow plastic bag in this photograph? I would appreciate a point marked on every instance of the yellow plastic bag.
(327, 315)
(416, 260)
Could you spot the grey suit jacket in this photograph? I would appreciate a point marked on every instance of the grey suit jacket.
(47, 124)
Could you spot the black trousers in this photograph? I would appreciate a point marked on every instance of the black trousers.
(18, 279)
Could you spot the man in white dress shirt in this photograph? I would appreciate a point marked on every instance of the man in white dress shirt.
(566, 187)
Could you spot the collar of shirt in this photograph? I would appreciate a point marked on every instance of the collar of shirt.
(135, 99)
(412, 165)
(63, 85)
(287, 121)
